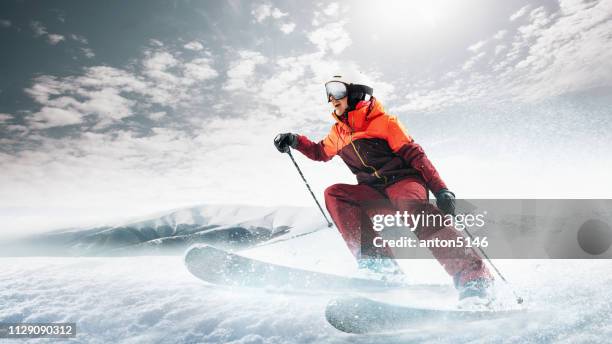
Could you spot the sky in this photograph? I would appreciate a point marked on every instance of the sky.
(120, 108)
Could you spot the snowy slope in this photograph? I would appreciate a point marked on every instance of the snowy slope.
(155, 300)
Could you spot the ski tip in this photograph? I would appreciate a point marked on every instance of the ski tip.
(192, 249)
(341, 318)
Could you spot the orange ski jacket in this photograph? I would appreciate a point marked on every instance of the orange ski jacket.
(375, 147)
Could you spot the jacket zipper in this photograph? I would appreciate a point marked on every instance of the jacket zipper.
(363, 162)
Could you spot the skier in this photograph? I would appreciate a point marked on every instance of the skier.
(389, 166)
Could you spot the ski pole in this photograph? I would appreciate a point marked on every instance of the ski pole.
(519, 299)
(329, 224)
(290, 238)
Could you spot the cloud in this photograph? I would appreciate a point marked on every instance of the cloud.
(5, 117)
(499, 49)
(131, 174)
(88, 52)
(287, 28)
(49, 117)
(156, 43)
(500, 34)
(330, 12)
(5, 23)
(264, 11)
(199, 69)
(539, 20)
(472, 61)
(157, 64)
(102, 96)
(293, 85)
(45, 87)
(69, 100)
(106, 103)
(60, 15)
(100, 77)
(194, 45)
(54, 39)
(79, 38)
(333, 9)
(96, 168)
(331, 37)
(174, 78)
(277, 13)
(22, 130)
(156, 116)
(520, 13)
(38, 28)
(549, 54)
(241, 70)
(476, 46)
(565, 52)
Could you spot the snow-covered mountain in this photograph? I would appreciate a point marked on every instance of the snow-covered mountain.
(235, 226)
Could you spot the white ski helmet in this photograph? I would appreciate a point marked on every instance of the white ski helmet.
(352, 85)
(349, 77)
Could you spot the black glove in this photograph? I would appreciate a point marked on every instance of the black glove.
(284, 141)
(445, 200)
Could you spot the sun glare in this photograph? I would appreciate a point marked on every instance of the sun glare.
(399, 15)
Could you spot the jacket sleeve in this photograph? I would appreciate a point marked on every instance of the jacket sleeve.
(403, 145)
(322, 151)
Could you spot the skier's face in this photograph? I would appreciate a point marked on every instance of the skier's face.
(339, 105)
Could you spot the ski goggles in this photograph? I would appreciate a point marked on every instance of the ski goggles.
(336, 89)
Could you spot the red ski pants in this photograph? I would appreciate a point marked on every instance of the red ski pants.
(345, 204)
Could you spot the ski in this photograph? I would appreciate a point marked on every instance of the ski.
(364, 315)
(218, 266)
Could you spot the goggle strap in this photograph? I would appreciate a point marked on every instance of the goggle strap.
(363, 88)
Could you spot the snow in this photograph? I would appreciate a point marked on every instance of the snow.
(155, 300)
